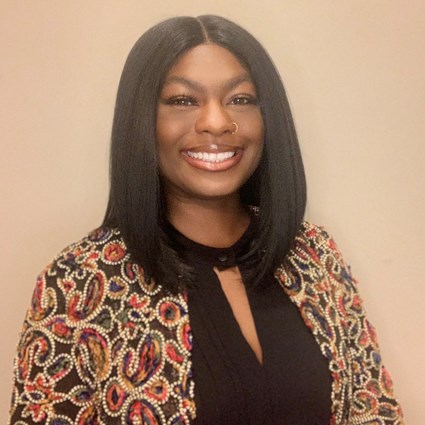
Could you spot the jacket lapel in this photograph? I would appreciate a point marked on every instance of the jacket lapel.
(309, 286)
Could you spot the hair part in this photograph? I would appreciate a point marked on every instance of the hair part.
(136, 202)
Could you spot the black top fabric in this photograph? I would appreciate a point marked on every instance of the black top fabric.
(292, 387)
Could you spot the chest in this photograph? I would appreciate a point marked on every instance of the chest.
(292, 383)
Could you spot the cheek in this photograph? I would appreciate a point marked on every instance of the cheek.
(258, 133)
(258, 156)
(171, 128)
(169, 136)
(255, 124)
(258, 136)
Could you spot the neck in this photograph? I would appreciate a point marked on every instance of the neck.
(215, 223)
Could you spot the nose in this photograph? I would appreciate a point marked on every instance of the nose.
(213, 118)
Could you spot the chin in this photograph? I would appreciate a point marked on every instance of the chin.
(205, 188)
(212, 192)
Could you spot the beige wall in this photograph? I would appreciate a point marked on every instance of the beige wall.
(354, 71)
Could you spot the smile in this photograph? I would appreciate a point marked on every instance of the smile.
(211, 157)
(213, 161)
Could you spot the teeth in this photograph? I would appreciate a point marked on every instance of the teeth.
(211, 157)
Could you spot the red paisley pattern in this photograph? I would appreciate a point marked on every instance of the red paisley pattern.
(321, 285)
(101, 346)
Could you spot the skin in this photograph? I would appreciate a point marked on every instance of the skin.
(204, 93)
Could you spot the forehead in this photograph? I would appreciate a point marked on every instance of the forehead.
(207, 61)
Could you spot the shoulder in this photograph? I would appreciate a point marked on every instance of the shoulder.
(315, 236)
(83, 276)
(102, 252)
(101, 246)
(315, 242)
(315, 262)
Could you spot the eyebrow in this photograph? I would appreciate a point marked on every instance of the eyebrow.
(227, 85)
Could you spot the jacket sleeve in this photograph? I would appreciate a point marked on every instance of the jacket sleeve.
(372, 400)
(53, 383)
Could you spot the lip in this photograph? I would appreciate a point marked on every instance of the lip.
(213, 166)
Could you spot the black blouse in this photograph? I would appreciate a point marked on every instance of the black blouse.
(292, 387)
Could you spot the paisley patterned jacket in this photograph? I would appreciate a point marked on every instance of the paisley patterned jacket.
(100, 346)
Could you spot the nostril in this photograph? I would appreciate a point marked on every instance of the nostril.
(215, 125)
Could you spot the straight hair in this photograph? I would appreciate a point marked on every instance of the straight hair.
(277, 189)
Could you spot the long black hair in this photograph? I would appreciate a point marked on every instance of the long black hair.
(136, 202)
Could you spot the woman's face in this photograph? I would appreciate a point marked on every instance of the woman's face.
(200, 154)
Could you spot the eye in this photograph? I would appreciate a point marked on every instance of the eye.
(181, 100)
(243, 100)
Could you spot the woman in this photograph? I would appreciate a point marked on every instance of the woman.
(203, 298)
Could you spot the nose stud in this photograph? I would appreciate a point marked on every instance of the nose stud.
(236, 128)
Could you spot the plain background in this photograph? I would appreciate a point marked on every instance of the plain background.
(354, 72)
